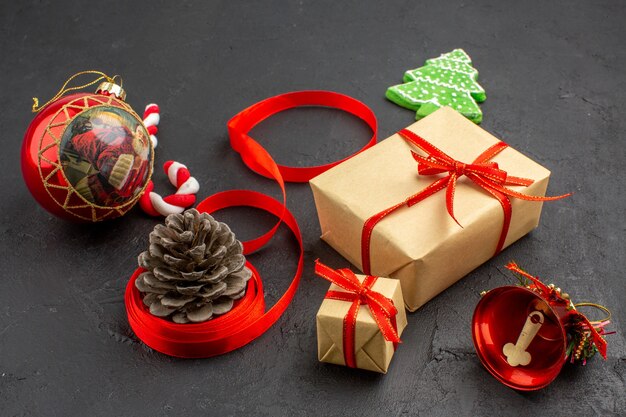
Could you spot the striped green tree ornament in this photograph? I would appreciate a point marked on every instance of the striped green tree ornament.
(449, 80)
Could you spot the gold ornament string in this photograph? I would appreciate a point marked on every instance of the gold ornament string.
(599, 307)
(65, 89)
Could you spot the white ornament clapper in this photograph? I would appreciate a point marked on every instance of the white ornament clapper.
(516, 354)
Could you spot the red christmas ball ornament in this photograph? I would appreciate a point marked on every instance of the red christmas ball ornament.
(525, 334)
(87, 156)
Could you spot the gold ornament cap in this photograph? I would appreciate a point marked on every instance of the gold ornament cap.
(113, 89)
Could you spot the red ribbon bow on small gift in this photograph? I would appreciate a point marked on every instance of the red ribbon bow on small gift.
(487, 175)
(381, 307)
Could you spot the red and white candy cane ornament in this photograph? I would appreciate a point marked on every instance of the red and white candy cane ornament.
(185, 196)
(178, 174)
(151, 119)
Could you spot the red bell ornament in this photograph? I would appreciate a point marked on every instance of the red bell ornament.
(525, 334)
(87, 156)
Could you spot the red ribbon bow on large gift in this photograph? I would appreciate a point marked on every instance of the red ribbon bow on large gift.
(487, 175)
(381, 307)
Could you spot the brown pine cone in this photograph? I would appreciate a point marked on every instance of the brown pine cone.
(195, 268)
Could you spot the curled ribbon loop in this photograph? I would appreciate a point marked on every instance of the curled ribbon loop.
(382, 308)
(241, 124)
(483, 172)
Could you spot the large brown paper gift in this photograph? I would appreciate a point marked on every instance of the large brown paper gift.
(421, 245)
(372, 352)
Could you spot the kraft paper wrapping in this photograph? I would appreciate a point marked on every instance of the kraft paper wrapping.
(372, 351)
(421, 245)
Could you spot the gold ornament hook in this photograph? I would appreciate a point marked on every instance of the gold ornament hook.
(65, 89)
(121, 83)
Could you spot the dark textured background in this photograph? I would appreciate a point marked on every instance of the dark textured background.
(554, 73)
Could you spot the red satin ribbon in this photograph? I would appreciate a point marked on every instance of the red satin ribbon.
(248, 320)
(242, 123)
(381, 307)
(487, 175)
(598, 340)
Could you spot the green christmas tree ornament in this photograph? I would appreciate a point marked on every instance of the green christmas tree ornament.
(449, 80)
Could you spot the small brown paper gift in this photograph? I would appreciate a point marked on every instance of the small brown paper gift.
(354, 328)
(421, 245)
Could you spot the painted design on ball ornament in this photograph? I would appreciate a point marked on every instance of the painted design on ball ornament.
(105, 155)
